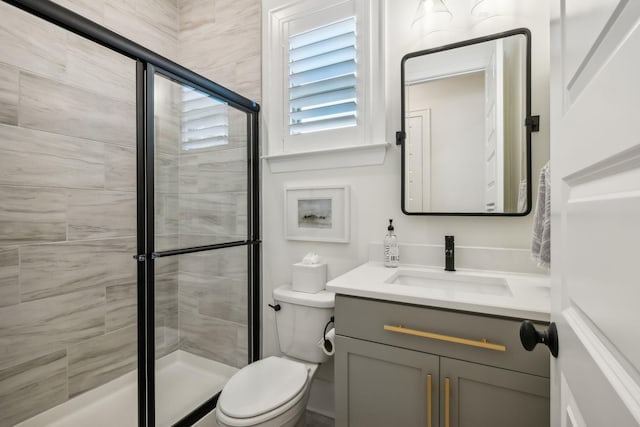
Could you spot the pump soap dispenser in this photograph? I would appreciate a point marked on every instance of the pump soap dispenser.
(391, 249)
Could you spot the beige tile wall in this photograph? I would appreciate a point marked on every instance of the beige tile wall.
(67, 186)
(219, 39)
(200, 198)
(67, 205)
(213, 305)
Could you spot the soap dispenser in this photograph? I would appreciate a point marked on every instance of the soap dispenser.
(391, 249)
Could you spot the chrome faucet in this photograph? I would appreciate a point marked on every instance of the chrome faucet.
(449, 254)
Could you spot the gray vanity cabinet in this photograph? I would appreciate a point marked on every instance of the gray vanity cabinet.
(482, 395)
(390, 370)
(381, 385)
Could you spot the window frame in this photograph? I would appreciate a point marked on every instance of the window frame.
(281, 19)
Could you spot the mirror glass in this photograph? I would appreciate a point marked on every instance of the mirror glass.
(466, 148)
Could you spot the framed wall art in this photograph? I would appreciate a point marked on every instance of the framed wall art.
(317, 213)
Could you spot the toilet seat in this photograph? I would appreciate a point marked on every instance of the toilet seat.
(263, 390)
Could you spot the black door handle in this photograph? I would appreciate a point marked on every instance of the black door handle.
(530, 337)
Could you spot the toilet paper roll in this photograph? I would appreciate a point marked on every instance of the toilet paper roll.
(328, 343)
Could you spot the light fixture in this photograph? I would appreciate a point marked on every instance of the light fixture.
(432, 14)
(483, 9)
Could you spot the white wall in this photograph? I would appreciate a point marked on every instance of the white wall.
(457, 140)
(375, 190)
(514, 107)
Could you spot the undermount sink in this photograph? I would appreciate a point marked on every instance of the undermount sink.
(451, 282)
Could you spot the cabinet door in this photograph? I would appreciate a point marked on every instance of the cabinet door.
(484, 396)
(382, 386)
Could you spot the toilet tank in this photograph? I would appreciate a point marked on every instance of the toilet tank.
(301, 320)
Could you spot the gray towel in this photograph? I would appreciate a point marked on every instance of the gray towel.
(541, 242)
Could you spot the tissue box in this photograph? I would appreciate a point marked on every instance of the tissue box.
(309, 278)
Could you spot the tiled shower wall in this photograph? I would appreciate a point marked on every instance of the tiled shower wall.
(212, 207)
(201, 195)
(67, 211)
(219, 39)
(67, 192)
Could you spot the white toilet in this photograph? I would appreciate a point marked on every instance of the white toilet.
(273, 392)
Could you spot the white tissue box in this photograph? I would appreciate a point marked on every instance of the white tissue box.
(309, 278)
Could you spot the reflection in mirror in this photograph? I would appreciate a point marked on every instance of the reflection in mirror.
(466, 148)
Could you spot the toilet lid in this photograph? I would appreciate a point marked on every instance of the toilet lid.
(262, 387)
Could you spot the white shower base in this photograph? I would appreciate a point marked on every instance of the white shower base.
(183, 382)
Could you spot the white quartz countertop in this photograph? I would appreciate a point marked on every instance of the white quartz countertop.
(527, 296)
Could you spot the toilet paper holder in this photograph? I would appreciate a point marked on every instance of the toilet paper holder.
(324, 334)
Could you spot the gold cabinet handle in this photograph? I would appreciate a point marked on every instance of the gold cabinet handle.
(482, 343)
(429, 398)
(447, 403)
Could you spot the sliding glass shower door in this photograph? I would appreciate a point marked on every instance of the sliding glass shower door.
(198, 188)
(129, 240)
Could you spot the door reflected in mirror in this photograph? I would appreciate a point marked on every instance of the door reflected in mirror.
(466, 147)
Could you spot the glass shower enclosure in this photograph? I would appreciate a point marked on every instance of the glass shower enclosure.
(198, 239)
(129, 228)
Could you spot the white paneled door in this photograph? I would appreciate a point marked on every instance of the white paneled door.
(595, 128)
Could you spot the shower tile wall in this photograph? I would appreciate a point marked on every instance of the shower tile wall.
(67, 192)
(231, 29)
(67, 211)
(200, 199)
(212, 206)
(213, 305)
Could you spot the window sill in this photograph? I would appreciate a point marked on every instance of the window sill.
(334, 158)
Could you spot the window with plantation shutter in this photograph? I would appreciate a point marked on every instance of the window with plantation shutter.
(322, 78)
(323, 84)
(205, 121)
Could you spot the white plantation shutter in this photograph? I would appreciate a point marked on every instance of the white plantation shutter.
(322, 78)
(205, 120)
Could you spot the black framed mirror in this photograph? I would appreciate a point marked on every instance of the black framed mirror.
(466, 127)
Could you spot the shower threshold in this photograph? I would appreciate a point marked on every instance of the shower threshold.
(183, 382)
